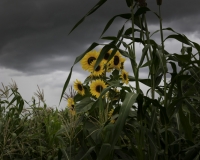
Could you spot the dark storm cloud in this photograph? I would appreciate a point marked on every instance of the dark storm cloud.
(182, 15)
(34, 34)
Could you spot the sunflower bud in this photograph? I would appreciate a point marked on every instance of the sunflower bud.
(159, 2)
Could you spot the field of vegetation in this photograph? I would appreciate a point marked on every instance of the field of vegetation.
(107, 118)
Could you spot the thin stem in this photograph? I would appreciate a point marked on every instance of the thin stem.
(164, 67)
(152, 65)
(132, 53)
(165, 83)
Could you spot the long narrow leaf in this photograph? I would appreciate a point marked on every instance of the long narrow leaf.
(99, 4)
(123, 114)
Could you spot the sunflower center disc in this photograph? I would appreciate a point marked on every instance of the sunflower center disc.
(80, 87)
(124, 76)
(122, 65)
(99, 88)
(91, 59)
(98, 69)
(116, 60)
(106, 56)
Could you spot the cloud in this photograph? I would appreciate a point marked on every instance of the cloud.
(35, 47)
(34, 32)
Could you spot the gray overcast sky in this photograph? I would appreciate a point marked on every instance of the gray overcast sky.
(35, 47)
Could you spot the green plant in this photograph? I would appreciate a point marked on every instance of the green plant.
(161, 126)
(32, 131)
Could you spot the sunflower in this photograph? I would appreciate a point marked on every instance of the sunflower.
(117, 60)
(96, 87)
(122, 63)
(98, 71)
(78, 86)
(124, 76)
(106, 56)
(88, 59)
(105, 61)
(70, 103)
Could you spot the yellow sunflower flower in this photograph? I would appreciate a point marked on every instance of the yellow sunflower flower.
(70, 102)
(78, 86)
(116, 61)
(88, 59)
(124, 76)
(98, 71)
(122, 62)
(106, 56)
(96, 87)
(105, 61)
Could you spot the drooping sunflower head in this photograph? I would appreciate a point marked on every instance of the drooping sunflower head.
(97, 87)
(124, 76)
(117, 60)
(70, 103)
(78, 86)
(88, 59)
(98, 71)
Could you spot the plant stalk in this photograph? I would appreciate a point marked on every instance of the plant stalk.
(132, 53)
(165, 83)
(152, 65)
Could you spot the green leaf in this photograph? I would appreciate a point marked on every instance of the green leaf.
(141, 10)
(196, 45)
(158, 80)
(185, 121)
(169, 29)
(192, 153)
(183, 58)
(21, 105)
(104, 151)
(126, 16)
(99, 4)
(104, 50)
(162, 60)
(59, 154)
(84, 105)
(88, 152)
(180, 38)
(66, 83)
(152, 140)
(140, 111)
(109, 38)
(123, 114)
(129, 31)
(144, 53)
(14, 99)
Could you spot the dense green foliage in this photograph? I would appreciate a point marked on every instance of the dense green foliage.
(164, 124)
